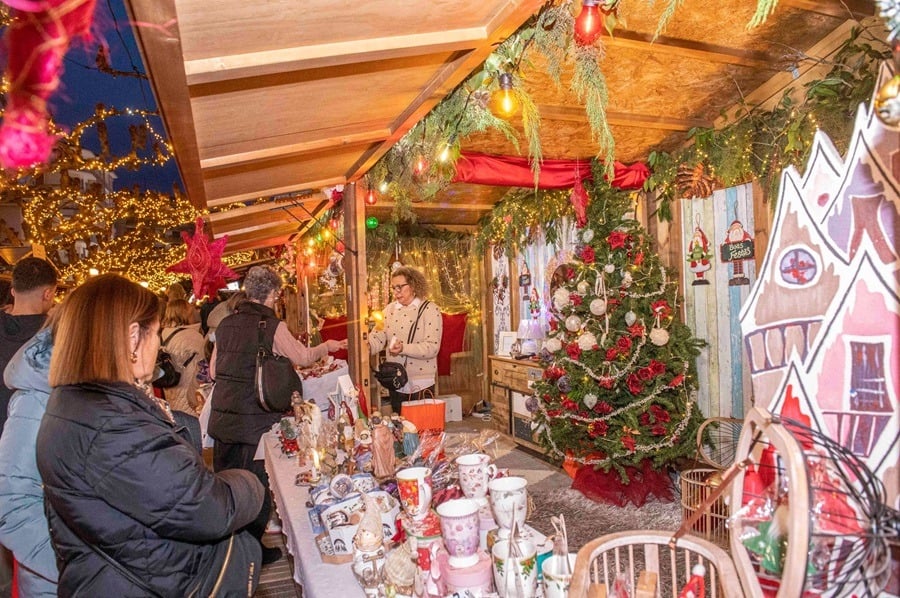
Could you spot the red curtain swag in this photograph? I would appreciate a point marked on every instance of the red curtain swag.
(510, 171)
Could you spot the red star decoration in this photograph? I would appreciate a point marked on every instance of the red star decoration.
(204, 262)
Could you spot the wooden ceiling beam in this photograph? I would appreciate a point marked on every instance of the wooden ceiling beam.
(622, 119)
(161, 53)
(695, 50)
(503, 24)
(225, 156)
(256, 243)
(282, 60)
(843, 9)
(431, 206)
(266, 206)
(318, 184)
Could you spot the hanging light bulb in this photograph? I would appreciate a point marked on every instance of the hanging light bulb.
(371, 198)
(589, 23)
(421, 165)
(383, 187)
(504, 102)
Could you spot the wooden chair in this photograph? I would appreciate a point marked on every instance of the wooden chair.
(630, 552)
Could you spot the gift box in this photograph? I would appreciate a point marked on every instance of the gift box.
(342, 519)
(427, 414)
(452, 407)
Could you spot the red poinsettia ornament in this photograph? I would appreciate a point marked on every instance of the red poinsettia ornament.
(204, 262)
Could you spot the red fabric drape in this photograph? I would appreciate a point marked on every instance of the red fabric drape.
(451, 341)
(336, 329)
(509, 171)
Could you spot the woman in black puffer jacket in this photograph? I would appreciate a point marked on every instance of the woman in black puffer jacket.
(133, 510)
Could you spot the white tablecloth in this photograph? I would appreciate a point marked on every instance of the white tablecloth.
(319, 388)
(319, 580)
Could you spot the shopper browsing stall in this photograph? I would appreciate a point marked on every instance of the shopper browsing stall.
(412, 335)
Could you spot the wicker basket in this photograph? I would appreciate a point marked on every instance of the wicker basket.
(695, 488)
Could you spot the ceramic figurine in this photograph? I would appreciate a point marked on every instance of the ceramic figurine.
(383, 458)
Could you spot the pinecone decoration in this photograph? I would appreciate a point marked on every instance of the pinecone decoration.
(480, 98)
(693, 181)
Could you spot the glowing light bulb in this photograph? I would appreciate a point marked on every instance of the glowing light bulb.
(504, 102)
(589, 23)
(371, 198)
(421, 165)
(93, 272)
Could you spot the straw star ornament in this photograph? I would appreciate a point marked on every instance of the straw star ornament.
(204, 262)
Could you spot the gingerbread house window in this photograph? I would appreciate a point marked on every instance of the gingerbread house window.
(798, 267)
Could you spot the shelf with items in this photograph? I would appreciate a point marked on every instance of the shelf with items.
(510, 388)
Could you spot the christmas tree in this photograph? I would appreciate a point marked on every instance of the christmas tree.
(617, 393)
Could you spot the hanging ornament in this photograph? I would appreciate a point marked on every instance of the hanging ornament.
(598, 307)
(587, 341)
(531, 404)
(693, 181)
(587, 235)
(371, 198)
(573, 323)
(698, 254)
(627, 279)
(563, 384)
(887, 102)
(609, 268)
(203, 262)
(371, 223)
(552, 345)
(583, 288)
(630, 317)
(659, 336)
(590, 399)
(579, 199)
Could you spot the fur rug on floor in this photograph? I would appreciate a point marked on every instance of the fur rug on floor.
(586, 519)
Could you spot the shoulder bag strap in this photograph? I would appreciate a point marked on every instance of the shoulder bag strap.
(134, 579)
(173, 333)
(412, 331)
(263, 339)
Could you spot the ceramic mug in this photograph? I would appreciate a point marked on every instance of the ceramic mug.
(509, 498)
(414, 485)
(515, 577)
(459, 527)
(556, 578)
(475, 471)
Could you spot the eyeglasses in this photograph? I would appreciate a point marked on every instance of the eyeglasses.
(399, 287)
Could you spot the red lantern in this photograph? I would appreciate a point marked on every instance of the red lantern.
(589, 23)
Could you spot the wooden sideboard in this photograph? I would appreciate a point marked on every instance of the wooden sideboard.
(509, 389)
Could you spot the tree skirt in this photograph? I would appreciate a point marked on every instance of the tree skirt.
(586, 519)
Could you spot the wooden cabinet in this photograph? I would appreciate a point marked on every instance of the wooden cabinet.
(510, 388)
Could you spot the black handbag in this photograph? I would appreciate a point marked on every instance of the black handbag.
(392, 374)
(275, 380)
(167, 375)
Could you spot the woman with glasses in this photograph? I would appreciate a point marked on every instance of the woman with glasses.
(411, 336)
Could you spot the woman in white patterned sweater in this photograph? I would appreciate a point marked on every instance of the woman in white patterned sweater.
(418, 351)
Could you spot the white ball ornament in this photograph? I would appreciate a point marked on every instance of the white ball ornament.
(560, 298)
(609, 268)
(598, 307)
(659, 336)
(573, 323)
(630, 317)
(583, 287)
(553, 344)
(587, 235)
(587, 341)
(590, 399)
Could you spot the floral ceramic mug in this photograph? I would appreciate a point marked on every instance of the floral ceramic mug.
(475, 472)
(414, 485)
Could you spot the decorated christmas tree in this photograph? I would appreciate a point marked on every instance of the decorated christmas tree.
(617, 393)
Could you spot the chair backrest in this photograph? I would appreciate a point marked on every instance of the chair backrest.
(626, 554)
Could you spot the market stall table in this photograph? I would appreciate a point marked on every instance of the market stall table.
(317, 578)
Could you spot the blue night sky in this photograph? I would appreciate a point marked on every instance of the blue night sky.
(83, 87)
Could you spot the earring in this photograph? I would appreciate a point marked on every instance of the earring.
(134, 357)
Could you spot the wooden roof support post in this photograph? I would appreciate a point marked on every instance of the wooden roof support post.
(356, 275)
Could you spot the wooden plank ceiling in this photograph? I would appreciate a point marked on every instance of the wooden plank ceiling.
(267, 102)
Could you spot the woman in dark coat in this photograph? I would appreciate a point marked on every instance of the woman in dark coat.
(133, 510)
